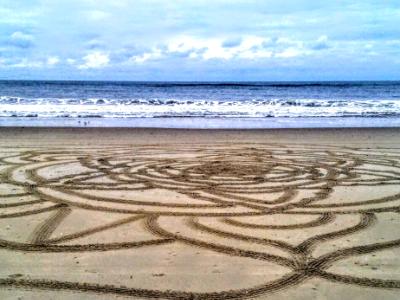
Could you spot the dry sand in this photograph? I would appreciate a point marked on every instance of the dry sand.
(199, 214)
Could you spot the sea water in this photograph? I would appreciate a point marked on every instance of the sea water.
(189, 104)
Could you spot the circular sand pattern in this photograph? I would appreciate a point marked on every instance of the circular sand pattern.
(255, 179)
(231, 183)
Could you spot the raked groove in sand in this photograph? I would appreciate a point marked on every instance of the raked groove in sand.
(286, 215)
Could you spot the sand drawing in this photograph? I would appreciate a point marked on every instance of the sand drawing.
(239, 200)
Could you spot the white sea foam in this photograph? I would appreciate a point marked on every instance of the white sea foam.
(126, 108)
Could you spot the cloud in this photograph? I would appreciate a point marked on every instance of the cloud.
(289, 53)
(321, 43)
(204, 49)
(255, 54)
(95, 60)
(21, 40)
(52, 60)
(155, 54)
(26, 64)
(95, 44)
(3, 62)
(234, 42)
(97, 15)
(249, 36)
(20, 16)
(248, 47)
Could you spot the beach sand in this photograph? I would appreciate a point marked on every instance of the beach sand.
(94, 213)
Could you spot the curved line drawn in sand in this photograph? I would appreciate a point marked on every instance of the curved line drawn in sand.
(225, 191)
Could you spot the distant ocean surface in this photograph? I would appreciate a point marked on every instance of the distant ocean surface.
(89, 99)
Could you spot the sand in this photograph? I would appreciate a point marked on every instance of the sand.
(199, 214)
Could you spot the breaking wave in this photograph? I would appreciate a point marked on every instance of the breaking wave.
(150, 108)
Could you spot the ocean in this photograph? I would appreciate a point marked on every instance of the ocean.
(207, 104)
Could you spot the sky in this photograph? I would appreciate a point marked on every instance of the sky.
(195, 40)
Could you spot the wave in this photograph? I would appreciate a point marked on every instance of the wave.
(258, 108)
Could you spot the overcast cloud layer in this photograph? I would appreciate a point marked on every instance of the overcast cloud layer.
(200, 40)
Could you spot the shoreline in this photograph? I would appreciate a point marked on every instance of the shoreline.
(35, 136)
(205, 122)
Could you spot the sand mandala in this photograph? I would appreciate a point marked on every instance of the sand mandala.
(304, 210)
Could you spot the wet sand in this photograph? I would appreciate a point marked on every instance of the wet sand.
(199, 214)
